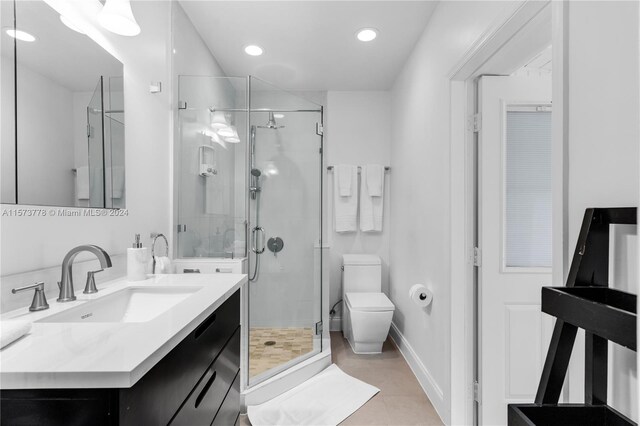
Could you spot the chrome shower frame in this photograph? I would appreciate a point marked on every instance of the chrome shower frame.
(252, 192)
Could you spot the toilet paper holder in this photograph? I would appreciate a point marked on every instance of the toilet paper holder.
(420, 295)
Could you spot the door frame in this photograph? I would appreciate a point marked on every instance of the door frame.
(487, 52)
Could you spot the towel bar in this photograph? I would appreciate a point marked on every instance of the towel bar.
(386, 168)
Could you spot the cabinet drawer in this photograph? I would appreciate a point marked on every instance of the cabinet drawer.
(158, 395)
(230, 408)
(207, 397)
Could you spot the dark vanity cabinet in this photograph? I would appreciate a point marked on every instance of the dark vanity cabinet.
(197, 383)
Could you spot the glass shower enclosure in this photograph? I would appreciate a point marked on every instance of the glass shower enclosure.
(105, 144)
(249, 184)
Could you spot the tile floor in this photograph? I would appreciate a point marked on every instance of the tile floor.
(400, 402)
(290, 343)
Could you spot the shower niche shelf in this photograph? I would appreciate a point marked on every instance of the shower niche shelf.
(605, 314)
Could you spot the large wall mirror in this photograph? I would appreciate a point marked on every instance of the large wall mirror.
(62, 113)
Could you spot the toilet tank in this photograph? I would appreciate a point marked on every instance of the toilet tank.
(362, 273)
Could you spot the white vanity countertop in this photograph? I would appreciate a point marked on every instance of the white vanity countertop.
(107, 355)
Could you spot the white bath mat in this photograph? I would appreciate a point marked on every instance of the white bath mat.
(326, 399)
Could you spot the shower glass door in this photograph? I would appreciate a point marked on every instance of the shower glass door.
(284, 175)
(210, 168)
(95, 147)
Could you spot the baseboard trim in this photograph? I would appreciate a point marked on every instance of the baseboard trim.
(335, 324)
(428, 384)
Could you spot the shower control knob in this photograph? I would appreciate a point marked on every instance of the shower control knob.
(275, 244)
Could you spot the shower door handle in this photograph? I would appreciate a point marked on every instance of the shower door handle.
(255, 239)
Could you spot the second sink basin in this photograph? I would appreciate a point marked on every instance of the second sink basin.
(132, 304)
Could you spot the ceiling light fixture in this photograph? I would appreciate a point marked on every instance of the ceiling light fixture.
(117, 17)
(214, 137)
(367, 34)
(253, 50)
(20, 35)
(227, 132)
(71, 24)
(219, 121)
(233, 138)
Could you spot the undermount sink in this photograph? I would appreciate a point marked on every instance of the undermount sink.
(132, 304)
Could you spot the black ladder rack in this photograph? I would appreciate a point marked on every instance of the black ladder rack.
(605, 314)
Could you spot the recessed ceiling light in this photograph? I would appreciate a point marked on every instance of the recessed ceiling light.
(253, 50)
(367, 34)
(20, 35)
(70, 24)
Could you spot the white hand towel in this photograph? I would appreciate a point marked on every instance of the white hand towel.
(163, 265)
(12, 330)
(370, 208)
(375, 179)
(82, 183)
(346, 208)
(96, 186)
(345, 173)
(117, 181)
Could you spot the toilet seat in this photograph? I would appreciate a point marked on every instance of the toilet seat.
(369, 302)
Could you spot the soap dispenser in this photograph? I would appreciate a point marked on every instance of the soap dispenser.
(137, 261)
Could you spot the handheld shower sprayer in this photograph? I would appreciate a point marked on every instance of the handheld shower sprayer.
(254, 188)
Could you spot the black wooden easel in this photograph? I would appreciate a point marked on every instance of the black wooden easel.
(605, 314)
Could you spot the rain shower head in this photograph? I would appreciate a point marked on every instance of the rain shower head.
(271, 123)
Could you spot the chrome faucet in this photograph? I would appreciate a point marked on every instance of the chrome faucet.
(66, 283)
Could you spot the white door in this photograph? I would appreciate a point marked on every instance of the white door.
(514, 236)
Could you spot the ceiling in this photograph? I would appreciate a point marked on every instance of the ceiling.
(541, 62)
(70, 59)
(311, 45)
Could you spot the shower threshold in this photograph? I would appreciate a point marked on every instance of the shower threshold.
(293, 373)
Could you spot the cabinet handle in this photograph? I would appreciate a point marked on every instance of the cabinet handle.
(205, 324)
(205, 389)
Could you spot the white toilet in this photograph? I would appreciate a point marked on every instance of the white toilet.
(367, 311)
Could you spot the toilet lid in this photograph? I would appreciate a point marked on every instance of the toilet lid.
(369, 302)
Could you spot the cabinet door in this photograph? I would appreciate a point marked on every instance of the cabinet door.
(58, 407)
(230, 409)
(207, 397)
(159, 394)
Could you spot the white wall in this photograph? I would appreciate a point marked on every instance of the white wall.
(45, 151)
(32, 243)
(420, 197)
(603, 132)
(358, 131)
(7, 130)
(80, 102)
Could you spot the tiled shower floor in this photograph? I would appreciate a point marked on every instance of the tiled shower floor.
(290, 343)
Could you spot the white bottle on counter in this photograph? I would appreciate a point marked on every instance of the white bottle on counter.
(137, 261)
